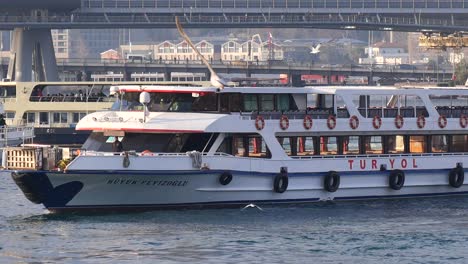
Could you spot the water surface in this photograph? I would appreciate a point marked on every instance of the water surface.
(387, 231)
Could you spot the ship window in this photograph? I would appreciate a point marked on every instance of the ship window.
(459, 143)
(257, 148)
(10, 114)
(59, 117)
(250, 102)
(351, 145)
(283, 103)
(181, 104)
(8, 91)
(44, 118)
(328, 146)
(439, 143)
(395, 144)
(305, 146)
(30, 118)
(417, 144)
(169, 102)
(373, 144)
(77, 117)
(234, 102)
(267, 102)
(204, 102)
(246, 146)
(289, 145)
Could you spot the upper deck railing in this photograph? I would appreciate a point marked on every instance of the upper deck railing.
(408, 15)
(318, 4)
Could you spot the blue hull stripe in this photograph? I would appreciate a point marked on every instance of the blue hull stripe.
(237, 172)
(233, 204)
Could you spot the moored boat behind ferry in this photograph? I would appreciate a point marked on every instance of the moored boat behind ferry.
(54, 108)
(204, 147)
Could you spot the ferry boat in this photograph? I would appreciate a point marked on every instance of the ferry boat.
(53, 108)
(197, 147)
(13, 135)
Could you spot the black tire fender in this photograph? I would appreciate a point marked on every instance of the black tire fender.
(456, 177)
(331, 182)
(225, 178)
(396, 180)
(280, 185)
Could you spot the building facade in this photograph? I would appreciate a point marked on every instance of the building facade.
(385, 53)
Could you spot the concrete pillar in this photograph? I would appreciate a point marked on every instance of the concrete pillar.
(2, 72)
(47, 52)
(32, 51)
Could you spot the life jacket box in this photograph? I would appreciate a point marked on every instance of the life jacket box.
(20, 158)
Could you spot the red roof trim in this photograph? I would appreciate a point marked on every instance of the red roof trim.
(163, 91)
(143, 130)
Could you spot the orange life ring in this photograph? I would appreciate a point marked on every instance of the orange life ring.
(463, 121)
(399, 121)
(259, 123)
(377, 122)
(442, 121)
(421, 122)
(308, 122)
(331, 122)
(284, 122)
(354, 122)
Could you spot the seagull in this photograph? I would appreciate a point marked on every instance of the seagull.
(215, 80)
(252, 206)
(316, 49)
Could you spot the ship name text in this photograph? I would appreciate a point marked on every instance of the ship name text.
(373, 165)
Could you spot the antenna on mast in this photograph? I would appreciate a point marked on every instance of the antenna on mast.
(215, 80)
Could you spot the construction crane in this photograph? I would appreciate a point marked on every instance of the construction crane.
(439, 41)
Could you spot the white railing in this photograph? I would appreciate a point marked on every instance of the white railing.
(381, 155)
(84, 152)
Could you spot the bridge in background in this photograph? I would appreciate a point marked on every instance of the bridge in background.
(293, 70)
(32, 20)
(412, 15)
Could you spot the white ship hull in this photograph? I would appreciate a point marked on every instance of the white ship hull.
(127, 189)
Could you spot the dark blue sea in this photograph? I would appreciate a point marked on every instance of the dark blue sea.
(425, 231)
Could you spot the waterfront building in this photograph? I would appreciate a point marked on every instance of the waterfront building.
(386, 53)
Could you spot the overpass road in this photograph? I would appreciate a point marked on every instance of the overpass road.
(411, 15)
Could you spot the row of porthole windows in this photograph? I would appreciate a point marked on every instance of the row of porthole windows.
(56, 117)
